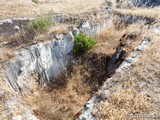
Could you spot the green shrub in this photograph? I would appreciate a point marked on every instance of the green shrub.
(41, 24)
(35, 1)
(83, 43)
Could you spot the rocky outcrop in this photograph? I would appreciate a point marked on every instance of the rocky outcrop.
(12, 26)
(137, 3)
(50, 58)
(47, 59)
(146, 3)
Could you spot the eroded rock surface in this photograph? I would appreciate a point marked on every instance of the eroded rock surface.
(47, 59)
(137, 3)
(9, 26)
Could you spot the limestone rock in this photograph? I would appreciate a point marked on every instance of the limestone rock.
(17, 117)
(47, 59)
(16, 28)
(104, 94)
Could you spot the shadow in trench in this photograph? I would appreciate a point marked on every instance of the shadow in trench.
(95, 69)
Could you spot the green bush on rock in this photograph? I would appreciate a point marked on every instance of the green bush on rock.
(83, 43)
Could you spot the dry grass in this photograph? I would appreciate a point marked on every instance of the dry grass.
(145, 12)
(63, 99)
(23, 8)
(122, 103)
(21, 39)
(137, 90)
(59, 29)
(54, 30)
(6, 54)
(110, 38)
(128, 94)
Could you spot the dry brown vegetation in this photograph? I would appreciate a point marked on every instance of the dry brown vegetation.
(122, 103)
(135, 91)
(23, 8)
(63, 99)
(110, 38)
(59, 29)
(5, 54)
(145, 12)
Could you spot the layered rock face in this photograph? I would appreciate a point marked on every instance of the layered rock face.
(146, 2)
(137, 3)
(47, 59)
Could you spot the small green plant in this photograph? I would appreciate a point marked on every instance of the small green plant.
(41, 24)
(83, 43)
(35, 1)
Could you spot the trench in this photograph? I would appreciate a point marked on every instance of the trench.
(73, 88)
(65, 96)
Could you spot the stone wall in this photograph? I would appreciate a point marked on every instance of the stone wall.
(12, 26)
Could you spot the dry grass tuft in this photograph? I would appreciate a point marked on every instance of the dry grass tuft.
(59, 29)
(145, 12)
(63, 99)
(108, 40)
(6, 54)
(122, 103)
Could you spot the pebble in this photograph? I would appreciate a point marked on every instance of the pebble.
(105, 94)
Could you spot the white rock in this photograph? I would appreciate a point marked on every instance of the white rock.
(6, 21)
(75, 31)
(16, 28)
(17, 117)
(129, 60)
(105, 94)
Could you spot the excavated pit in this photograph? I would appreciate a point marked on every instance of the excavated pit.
(70, 82)
(82, 80)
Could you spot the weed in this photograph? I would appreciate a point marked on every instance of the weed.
(41, 24)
